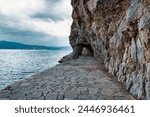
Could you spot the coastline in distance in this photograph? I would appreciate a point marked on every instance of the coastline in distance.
(16, 45)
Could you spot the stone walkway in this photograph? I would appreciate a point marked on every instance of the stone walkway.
(79, 79)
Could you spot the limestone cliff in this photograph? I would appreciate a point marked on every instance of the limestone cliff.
(118, 31)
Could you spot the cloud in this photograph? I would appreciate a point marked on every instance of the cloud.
(62, 9)
(29, 18)
(20, 7)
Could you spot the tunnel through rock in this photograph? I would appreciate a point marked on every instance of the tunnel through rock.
(79, 48)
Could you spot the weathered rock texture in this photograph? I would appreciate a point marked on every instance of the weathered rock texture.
(118, 31)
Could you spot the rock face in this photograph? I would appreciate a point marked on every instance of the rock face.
(118, 31)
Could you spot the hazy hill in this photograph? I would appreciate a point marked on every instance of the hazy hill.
(16, 45)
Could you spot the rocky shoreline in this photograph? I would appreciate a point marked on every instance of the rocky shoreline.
(78, 79)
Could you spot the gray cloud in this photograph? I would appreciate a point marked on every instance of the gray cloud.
(43, 24)
(53, 10)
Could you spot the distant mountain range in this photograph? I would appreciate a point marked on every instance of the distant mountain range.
(16, 45)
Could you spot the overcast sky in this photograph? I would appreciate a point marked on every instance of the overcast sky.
(40, 22)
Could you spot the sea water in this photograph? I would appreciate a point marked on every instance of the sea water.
(19, 64)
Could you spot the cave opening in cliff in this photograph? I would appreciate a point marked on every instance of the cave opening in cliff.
(82, 48)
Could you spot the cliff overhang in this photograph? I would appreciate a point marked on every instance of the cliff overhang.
(117, 33)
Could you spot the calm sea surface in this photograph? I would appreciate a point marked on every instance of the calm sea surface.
(19, 64)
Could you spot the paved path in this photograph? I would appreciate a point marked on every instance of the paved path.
(79, 79)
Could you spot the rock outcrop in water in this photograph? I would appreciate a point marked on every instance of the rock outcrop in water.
(118, 33)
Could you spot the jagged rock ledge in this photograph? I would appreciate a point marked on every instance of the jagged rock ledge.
(77, 79)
